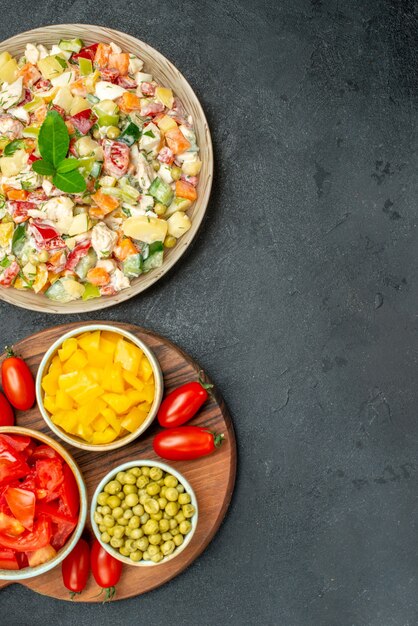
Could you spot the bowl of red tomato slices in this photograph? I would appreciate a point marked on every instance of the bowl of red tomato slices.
(43, 503)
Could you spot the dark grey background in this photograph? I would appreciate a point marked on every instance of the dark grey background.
(299, 298)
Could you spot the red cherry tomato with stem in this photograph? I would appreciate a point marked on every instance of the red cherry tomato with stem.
(106, 569)
(183, 403)
(186, 443)
(75, 568)
(17, 381)
(7, 417)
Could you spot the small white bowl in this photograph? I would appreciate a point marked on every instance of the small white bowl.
(30, 572)
(165, 468)
(119, 442)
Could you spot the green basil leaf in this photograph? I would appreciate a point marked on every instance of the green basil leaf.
(68, 165)
(19, 238)
(53, 139)
(13, 146)
(70, 182)
(45, 168)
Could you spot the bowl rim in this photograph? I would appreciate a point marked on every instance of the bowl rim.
(117, 443)
(38, 302)
(30, 572)
(149, 463)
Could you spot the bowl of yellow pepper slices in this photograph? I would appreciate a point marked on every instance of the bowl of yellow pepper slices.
(99, 387)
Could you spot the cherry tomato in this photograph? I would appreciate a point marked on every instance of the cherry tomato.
(18, 383)
(181, 404)
(7, 417)
(75, 568)
(106, 569)
(186, 443)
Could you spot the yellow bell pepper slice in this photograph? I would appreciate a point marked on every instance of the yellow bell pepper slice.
(91, 341)
(68, 347)
(75, 363)
(133, 381)
(119, 403)
(106, 436)
(133, 420)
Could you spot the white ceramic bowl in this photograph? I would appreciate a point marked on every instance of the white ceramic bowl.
(29, 572)
(122, 441)
(166, 468)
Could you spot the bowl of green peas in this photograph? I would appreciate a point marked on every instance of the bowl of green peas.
(144, 513)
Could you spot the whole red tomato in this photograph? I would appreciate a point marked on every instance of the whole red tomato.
(106, 569)
(186, 443)
(7, 417)
(75, 568)
(17, 381)
(181, 404)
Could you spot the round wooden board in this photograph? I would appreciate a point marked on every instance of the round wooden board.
(212, 477)
(165, 72)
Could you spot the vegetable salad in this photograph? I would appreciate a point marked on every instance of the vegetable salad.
(99, 165)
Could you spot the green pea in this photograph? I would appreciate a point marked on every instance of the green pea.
(180, 488)
(162, 492)
(164, 525)
(129, 489)
(130, 479)
(162, 502)
(176, 172)
(159, 209)
(150, 527)
(98, 518)
(166, 515)
(122, 521)
(170, 481)
(157, 557)
(113, 502)
(185, 527)
(142, 492)
(134, 522)
(143, 498)
(142, 481)
(144, 518)
(99, 509)
(118, 531)
(113, 132)
(110, 530)
(136, 556)
(188, 510)
(128, 514)
(123, 551)
(102, 528)
(155, 473)
(130, 545)
(157, 516)
(168, 547)
(155, 540)
(105, 537)
(102, 498)
(156, 165)
(113, 487)
(120, 477)
(106, 510)
(108, 521)
(160, 482)
(116, 543)
(128, 531)
(146, 556)
(136, 471)
(131, 499)
(142, 543)
(153, 489)
(117, 512)
(145, 470)
(184, 498)
(124, 506)
(172, 494)
(172, 508)
(136, 533)
(151, 506)
(167, 536)
(174, 531)
(138, 510)
(178, 539)
(152, 550)
(180, 517)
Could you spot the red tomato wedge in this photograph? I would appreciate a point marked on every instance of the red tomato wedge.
(37, 538)
(17, 382)
(12, 463)
(49, 476)
(18, 442)
(22, 505)
(69, 492)
(10, 525)
(8, 559)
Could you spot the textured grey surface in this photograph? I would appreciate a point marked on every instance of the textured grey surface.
(299, 298)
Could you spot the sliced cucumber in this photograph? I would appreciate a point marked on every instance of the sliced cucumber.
(155, 256)
(161, 191)
(86, 263)
(132, 266)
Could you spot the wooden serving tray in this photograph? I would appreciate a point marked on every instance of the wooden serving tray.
(211, 477)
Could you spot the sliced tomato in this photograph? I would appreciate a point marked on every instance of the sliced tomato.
(18, 442)
(116, 158)
(62, 524)
(49, 476)
(70, 495)
(8, 559)
(10, 525)
(83, 121)
(29, 541)
(44, 452)
(42, 555)
(12, 463)
(88, 52)
(22, 505)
